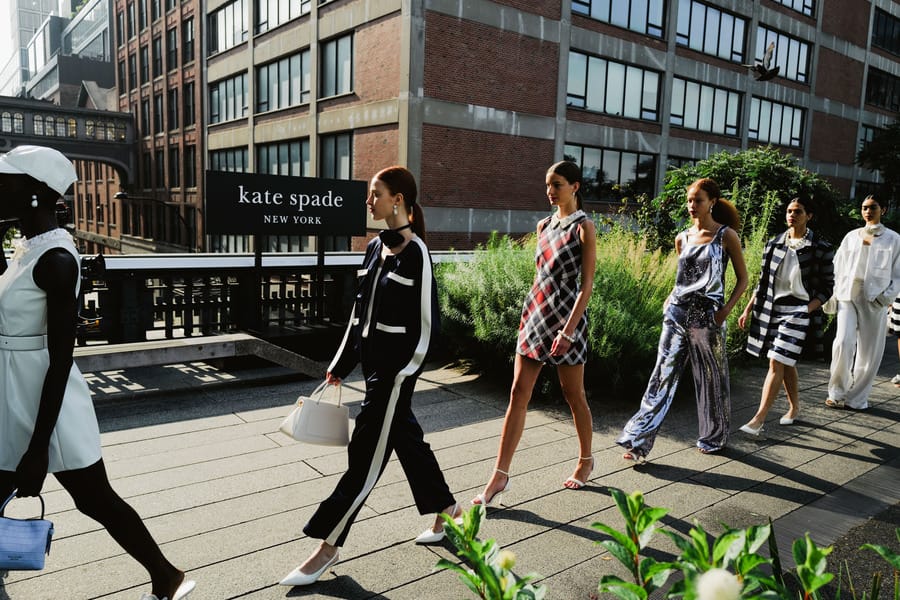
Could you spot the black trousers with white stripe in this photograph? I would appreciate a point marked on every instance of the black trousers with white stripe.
(385, 424)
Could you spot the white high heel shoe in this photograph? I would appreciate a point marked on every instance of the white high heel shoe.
(430, 536)
(181, 593)
(489, 502)
(578, 483)
(298, 577)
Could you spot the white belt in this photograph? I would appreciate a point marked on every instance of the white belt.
(23, 342)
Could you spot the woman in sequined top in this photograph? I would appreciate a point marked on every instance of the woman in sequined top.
(694, 326)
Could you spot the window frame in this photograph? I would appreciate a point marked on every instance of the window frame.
(594, 9)
(334, 88)
(731, 123)
(757, 104)
(737, 51)
(603, 65)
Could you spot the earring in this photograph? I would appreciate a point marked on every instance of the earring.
(34, 202)
(396, 210)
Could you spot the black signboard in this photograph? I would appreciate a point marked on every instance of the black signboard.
(248, 203)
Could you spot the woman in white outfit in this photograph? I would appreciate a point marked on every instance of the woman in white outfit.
(866, 280)
(47, 421)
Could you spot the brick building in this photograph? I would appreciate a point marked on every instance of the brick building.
(479, 97)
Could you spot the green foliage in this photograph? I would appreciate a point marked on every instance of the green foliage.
(883, 154)
(757, 173)
(490, 576)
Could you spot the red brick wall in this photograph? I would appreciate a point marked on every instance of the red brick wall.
(848, 19)
(839, 77)
(476, 64)
(550, 9)
(374, 148)
(833, 139)
(465, 168)
(376, 54)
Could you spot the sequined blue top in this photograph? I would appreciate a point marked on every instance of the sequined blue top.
(701, 272)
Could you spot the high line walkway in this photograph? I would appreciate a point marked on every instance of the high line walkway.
(195, 450)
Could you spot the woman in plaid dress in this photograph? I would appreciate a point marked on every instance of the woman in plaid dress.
(553, 328)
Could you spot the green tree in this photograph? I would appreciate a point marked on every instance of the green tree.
(756, 173)
(882, 154)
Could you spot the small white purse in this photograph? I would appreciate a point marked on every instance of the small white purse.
(316, 422)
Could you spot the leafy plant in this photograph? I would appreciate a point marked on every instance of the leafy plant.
(490, 576)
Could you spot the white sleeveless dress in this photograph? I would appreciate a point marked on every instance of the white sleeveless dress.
(75, 442)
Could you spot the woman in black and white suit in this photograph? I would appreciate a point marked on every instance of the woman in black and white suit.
(796, 279)
(394, 319)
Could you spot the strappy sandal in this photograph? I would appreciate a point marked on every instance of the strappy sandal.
(832, 403)
(577, 483)
(495, 498)
(634, 457)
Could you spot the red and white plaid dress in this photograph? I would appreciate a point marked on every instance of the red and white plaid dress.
(552, 297)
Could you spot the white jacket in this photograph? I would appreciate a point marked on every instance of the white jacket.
(882, 281)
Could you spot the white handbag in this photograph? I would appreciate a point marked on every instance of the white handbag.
(316, 422)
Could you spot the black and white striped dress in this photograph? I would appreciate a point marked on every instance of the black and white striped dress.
(894, 322)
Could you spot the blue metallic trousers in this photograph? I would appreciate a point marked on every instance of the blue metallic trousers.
(687, 333)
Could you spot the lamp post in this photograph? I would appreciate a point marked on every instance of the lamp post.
(124, 196)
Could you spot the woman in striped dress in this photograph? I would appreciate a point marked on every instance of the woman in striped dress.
(894, 328)
(553, 327)
(796, 279)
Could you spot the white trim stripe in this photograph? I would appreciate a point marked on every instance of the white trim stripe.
(390, 328)
(400, 279)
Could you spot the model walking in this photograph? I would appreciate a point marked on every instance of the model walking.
(796, 279)
(394, 319)
(894, 329)
(47, 420)
(694, 326)
(866, 281)
(553, 327)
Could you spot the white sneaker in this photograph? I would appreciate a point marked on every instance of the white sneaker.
(896, 379)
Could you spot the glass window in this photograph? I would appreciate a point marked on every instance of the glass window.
(189, 116)
(145, 64)
(228, 99)
(284, 158)
(883, 89)
(131, 20)
(866, 135)
(886, 32)
(283, 83)
(18, 123)
(158, 113)
(704, 107)
(806, 7)
(613, 88)
(187, 39)
(775, 123)
(172, 109)
(132, 71)
(157, 56)
(120, 28)
(790, 54)
(710, 30)
(233, 160)
(226, 27)
(145, 117)
(122, 81)
(156, 10)
(643, 16)
(174, 167)
(335, 159)
(610, 175)
(337, 66)
(6, 122)
(142, 13)
(171, 49)
(190, 166)
(272, 13)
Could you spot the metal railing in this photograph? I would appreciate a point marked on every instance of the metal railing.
(141, 297)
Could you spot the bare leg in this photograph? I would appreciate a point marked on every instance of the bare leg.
(792, 391)
(771, 387)
(93, 496)
(525, 374)
(324, 553)
(571, 380)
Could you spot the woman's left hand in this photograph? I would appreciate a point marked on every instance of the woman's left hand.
(560, 346)
(720, 316)
(32, 471)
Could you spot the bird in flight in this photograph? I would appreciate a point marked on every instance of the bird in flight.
(760, 68)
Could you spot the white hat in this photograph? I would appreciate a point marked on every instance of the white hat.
(42, 163)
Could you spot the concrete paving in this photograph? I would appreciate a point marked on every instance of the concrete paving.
(195, 449)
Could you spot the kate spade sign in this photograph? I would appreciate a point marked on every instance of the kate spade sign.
(248, 203)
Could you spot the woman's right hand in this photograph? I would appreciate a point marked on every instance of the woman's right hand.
(32, 471)
(742, 320)
(329, 378)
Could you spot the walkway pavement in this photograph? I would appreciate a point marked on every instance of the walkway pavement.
(196, 451)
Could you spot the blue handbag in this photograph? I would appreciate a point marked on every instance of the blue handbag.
(24, 542)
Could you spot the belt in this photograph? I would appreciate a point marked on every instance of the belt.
(23, 342)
